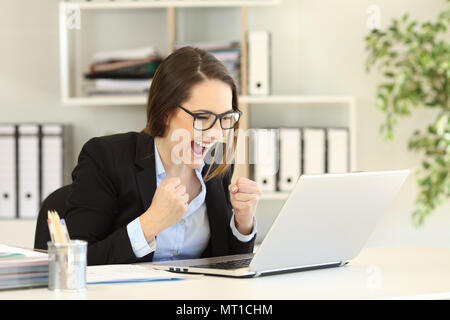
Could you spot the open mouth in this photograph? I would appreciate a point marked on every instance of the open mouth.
(199, 148)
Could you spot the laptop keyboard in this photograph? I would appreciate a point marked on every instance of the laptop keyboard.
(233, 264)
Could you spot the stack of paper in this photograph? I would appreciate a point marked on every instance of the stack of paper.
(229, 53)
(21, 268)
(122, 72)
(122, 273)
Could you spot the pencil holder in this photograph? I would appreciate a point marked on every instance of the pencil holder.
(67, 265)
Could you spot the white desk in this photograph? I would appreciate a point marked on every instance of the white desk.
(385, 272)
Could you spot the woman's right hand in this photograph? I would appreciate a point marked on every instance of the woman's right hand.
(169, 204)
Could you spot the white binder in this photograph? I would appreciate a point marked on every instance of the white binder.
(28, 143)
(7, 171)
(337, 150)
(264, 158)
(52, 158)
(313, 151)
(290, 158)
(258, 62)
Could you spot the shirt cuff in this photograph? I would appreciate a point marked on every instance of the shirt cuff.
(238, 235)
(140, 246)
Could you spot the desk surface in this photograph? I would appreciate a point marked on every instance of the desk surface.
(384, 272)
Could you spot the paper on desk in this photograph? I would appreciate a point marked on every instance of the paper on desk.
(6, 251)
(121, 273)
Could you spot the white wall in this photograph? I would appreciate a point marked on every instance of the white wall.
(318, 48)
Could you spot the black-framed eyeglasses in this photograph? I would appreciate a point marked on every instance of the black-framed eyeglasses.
(205, 120)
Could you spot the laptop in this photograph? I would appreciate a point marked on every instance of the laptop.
(325, 222)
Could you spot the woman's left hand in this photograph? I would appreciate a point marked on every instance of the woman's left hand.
(244, 196)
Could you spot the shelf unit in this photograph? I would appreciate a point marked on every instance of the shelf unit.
(171, 5)
(317, 101)
(244, 100)
(67, 78)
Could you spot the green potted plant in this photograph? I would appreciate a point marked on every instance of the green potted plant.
(414, 59)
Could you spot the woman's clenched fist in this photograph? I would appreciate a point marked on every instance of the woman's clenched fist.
(244, 197)
(169, 204)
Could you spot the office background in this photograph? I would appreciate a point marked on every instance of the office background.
(317, 49)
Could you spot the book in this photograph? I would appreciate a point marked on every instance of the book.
(210, 45)
(118, 64)
(21, 268)
(131, 84)
(141, 70)
(127, 54)
(228, 52)
(5, 250)
(122, 72)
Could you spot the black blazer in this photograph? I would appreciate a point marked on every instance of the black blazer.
(114, 182)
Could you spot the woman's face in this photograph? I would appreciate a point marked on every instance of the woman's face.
(187, 144)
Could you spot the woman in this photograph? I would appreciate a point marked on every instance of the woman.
(151, 196)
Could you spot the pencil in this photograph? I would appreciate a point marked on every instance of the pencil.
(60, 229)
(64, 228)
(56, 226)
(51, 227)
(50, 230)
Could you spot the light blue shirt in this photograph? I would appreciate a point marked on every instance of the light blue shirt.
(186, 239)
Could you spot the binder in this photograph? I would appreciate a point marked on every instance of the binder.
(28, 162)
(290, 158)
(337, 150)
(313, 151)
(264, 158)
(8, 196)
(259, 62)
(52, 158)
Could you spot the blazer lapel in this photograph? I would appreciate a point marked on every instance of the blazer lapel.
(216, 206)
(145, 159)
(216, 202)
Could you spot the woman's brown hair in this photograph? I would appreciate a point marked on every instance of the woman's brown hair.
(171, 85)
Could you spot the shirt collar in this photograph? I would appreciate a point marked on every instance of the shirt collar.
(159, 167)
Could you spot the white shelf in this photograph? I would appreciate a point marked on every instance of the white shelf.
(106, 101)
(294, 99)
(271, 99)
(69, 76)
(170, 3)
